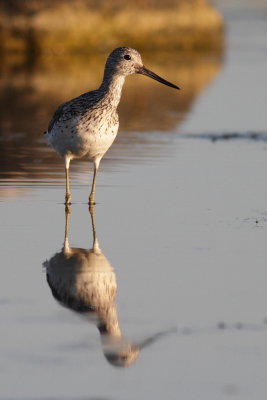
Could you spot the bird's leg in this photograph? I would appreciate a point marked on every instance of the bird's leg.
(67, 196)
(66, 240)
(95, 241)
(92, 194)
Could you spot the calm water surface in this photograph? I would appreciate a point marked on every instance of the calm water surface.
(180, 219)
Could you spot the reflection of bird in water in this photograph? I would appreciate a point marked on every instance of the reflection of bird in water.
(85, 282)
(88, 124)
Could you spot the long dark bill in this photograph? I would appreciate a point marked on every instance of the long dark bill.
(145, 71)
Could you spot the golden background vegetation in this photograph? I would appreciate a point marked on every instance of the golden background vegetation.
(46, 27)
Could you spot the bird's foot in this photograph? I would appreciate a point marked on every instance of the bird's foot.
(67, 209)
(67, 200)
(91, 201)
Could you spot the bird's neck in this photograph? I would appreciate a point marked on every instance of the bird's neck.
(108, 324)
(111, 87)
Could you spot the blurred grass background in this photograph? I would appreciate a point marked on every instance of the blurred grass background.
(47, 27)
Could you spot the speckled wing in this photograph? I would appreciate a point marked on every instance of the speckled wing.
(55, 117)
(74, 108)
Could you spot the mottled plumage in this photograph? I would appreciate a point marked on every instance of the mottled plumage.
(84, 281)
(88, 124)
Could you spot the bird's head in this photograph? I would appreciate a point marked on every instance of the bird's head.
(123, 358)
(126, 61)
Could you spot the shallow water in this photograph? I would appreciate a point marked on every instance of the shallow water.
(181, 216)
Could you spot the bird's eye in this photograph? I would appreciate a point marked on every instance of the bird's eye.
(127, 57)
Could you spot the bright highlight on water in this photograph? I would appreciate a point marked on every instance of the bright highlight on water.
(87, 125)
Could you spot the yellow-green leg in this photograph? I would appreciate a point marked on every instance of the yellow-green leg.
(67, 195)
(92, 194)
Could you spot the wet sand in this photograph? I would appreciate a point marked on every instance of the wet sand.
(181, 218)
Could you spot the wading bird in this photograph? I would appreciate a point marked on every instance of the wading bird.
(84, 281)
(87, 125)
